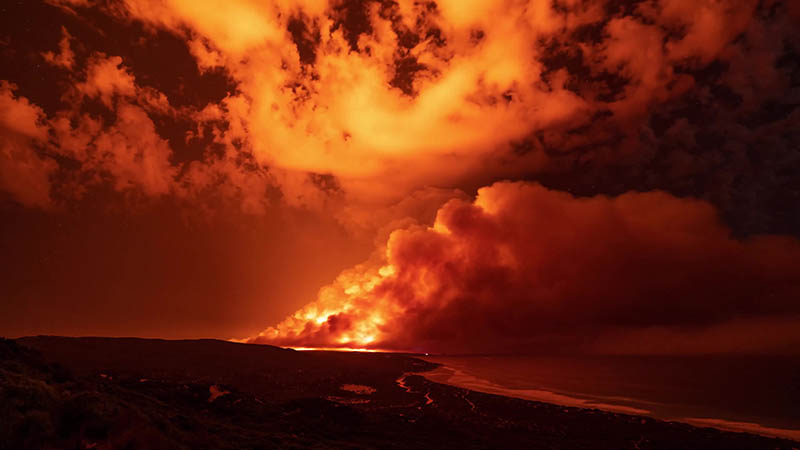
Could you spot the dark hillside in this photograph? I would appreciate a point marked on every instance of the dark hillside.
(104, 393)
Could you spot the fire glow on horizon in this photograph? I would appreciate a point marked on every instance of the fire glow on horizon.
(338, 349)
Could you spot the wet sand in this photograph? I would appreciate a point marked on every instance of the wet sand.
(454, 377)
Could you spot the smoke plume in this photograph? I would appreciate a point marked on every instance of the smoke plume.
(524, 268)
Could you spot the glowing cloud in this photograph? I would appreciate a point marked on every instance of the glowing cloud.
(526, 268)
(24, 173)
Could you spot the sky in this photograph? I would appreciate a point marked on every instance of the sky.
(447, 176)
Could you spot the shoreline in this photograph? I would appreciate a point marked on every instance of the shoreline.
(141, 394)
(457, 378)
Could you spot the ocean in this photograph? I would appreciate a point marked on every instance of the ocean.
(758, 394)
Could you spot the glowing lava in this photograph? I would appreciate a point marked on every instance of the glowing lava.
(348, 315)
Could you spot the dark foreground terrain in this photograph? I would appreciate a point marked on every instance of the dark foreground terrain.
(103, 393)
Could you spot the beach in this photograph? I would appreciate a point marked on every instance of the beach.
(689, 390)
(151, 393)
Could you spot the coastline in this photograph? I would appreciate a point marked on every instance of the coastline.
(207, 394)
(450, 376)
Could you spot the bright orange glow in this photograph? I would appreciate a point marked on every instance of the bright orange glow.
(335, 310)
(343, 116)
(338, 349)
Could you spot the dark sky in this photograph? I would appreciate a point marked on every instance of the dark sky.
(187, 169)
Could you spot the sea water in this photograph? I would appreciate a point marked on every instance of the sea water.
(758, 394)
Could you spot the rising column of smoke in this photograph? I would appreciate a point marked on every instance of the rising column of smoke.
(526, 268)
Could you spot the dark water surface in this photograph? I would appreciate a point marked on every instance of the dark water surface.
(750, 393)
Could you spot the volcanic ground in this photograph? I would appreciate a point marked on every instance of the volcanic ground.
(126, 393)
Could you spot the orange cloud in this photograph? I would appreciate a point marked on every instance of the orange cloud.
(133, 154)
(24, 173)
(105, 79)
(710, 25)
(477, 83)
(65, 57)
(443, 93)
(526, 268)
(417, 96)
(341, 115)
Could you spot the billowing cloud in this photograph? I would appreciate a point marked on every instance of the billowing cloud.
(105, 79)
(526, 268)
(458, 91)
(24, 173)
(133, 153)
(388, 98)
(121, 147)
(65, 57)
(474, 88)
